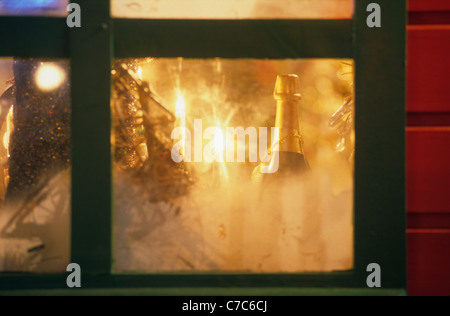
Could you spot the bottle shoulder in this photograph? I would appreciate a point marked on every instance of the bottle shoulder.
(282, 165)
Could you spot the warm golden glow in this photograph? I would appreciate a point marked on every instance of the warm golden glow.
(233, 9)
(139, 72)
(219, 142)
(180, 114)
(180, 111)
(9, 129)
(221, 219)
(49, 76)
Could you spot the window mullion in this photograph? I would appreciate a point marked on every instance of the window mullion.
(91, 119)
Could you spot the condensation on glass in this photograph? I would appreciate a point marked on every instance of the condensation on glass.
(211, 215)
(34, 7)
(35, 164)
(233, 9)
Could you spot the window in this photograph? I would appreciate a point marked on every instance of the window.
(213, 215)
(247, 51)
(35, 174)
(34, 7)
(233, 9)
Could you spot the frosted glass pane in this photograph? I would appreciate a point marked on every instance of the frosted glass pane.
(34, 165)
(217, 216)
(34, 7)
(233, 9)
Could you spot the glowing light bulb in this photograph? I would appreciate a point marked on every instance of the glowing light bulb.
(139, 72)
(49, 76)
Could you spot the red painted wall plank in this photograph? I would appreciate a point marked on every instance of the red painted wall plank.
(428, 5)
(428, 169)
(429, 221)
(431, 17)
(428, 262)
(428, 68)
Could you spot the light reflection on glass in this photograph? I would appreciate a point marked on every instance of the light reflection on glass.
(34, 7)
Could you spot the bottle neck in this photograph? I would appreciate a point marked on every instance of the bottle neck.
(288, 138)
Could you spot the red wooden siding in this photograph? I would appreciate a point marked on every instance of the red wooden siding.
(428, 169)
(428, 5)
(428, 68)
(428, 147)
(428, 262)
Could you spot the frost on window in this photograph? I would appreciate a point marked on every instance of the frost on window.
(213, 214)
(34, 165)
(34, 7)
(233, 9)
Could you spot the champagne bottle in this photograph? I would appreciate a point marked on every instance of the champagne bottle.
(275, 211)
(287, 151)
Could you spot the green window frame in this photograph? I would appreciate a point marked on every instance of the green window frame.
(379, 199)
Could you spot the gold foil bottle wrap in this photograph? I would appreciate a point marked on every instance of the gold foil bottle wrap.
(287, 153)
(287, 95)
